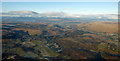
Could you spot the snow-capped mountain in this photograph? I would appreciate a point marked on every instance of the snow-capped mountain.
(57, 14)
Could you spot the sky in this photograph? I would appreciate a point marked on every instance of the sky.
(59, 0)
(67, 7)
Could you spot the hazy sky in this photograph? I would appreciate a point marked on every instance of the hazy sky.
(68, 7)
(59, 0)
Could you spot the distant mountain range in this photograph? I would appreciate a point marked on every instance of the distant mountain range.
(56, 14)
(21, 12)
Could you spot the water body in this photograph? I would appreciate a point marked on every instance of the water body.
(99, 56)
(61, 34)
(10, 25)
